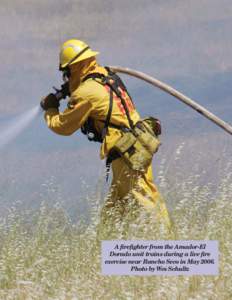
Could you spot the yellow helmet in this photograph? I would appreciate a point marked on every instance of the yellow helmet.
(73, 51)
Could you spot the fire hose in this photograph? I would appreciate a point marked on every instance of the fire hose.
(63, 92)
(168, 89)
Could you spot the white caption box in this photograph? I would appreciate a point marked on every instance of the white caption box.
(142, 258)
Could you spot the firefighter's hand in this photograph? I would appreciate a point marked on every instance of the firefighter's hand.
(50, 101)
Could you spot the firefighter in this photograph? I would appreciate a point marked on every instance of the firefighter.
(102, 108)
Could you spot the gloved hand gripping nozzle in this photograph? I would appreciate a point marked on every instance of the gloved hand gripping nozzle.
(52, 100)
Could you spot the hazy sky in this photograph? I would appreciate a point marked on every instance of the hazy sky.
(164, 38)
(187, 43)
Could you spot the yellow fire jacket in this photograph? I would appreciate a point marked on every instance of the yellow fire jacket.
(91, 99)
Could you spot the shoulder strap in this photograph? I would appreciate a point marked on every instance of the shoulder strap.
(115, 89)
(114, 82)
(108, 117)
(121, 84)
(93, 76)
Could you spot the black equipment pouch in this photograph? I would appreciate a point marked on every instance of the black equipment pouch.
(89, 129)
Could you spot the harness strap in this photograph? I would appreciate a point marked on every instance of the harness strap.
(117, 82)
(114, 82)
(107, 121)
(113, 86)
(120, 83)
(93, 76)
(111, 157)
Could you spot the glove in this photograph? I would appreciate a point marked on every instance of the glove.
(50, 101)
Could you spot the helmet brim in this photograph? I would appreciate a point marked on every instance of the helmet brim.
(89, 53)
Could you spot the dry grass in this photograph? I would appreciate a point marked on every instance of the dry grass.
(46, 256)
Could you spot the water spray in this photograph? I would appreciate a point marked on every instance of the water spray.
(23, 121)
(17, 125)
